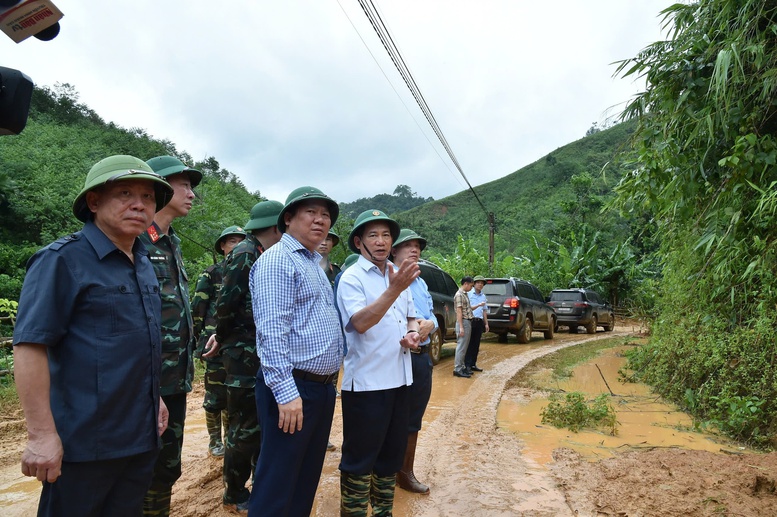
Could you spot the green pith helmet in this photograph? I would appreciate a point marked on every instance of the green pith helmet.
(301, 194)
(167, 166)
(120, 167)
(264, 215)
(369, 216)
(350, 260)
(335, 238)
(479, 278)
(231, 230)
(409, 235)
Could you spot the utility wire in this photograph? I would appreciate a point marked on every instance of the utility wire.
(434, 148)
(388, 43)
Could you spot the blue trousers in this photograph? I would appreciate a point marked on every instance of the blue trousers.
(420, 390)
(290, 465)
(99, 488)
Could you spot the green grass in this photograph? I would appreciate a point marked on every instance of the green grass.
(562, 362)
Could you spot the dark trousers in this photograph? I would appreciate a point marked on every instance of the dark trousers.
(420, 390)
(374, 431)
(471, 359)
(168, 465)
(99, 488)
(290, 465)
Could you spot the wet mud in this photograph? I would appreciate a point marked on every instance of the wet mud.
(481, 454)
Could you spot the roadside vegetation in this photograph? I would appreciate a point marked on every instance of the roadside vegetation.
(704, 167)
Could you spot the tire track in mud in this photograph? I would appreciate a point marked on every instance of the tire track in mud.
(475, 468)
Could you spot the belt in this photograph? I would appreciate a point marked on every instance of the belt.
(307, 376)
(421, 350)
(477, 319)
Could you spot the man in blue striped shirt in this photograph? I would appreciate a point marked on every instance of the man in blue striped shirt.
(300, 347)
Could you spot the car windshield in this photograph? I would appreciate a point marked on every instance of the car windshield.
(565, 296)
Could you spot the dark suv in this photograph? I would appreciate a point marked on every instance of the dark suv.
(575, 307)
(442, 288)
(516, 306)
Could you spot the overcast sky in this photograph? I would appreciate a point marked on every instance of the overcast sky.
(285, 93)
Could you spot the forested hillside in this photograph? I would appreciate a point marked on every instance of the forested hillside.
(44, 168)
(553, 224)
(550, 226)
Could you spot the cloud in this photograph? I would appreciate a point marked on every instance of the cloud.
(285, 93)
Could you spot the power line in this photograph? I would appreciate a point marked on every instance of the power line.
(434, 148)
(388, 43)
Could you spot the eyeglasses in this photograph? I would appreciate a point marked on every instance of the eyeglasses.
(132, 172)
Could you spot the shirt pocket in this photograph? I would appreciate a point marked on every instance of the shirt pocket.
(117, 310)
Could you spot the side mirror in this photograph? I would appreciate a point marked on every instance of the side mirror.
(15, 97)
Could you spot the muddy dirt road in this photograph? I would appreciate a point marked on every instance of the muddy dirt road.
(477, 469)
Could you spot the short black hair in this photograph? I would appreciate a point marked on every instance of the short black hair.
(467, 279)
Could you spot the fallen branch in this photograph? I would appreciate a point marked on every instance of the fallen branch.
(605, 380)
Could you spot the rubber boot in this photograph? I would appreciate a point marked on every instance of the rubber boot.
(213, 423)
(354, 494)
(405, 477)
(382, 495)
(156, 503)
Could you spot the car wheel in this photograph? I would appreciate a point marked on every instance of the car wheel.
(435, 346)
(591, 327)
(611, 324)
(551, 329)
(501, 338)
(524, 335)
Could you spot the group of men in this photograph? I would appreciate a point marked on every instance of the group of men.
(104, 350)
(471, 321)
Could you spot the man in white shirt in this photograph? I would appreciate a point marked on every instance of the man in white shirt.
(378, 317)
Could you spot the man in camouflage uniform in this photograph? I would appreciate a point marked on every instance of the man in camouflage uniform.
(204, 316)
(235, 340)
(324, 249)
(164, 250)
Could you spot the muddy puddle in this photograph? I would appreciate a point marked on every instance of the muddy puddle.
(646, 421)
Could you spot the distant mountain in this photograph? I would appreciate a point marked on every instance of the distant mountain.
(401, 200)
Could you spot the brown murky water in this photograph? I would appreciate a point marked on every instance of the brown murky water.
(645, 421)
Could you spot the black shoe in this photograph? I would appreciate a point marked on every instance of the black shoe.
(468, 371)
(457, 373)
(475, 369)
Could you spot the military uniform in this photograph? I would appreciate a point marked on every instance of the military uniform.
(177, 347)
(204, 315)
(331, 271)
(236, 333)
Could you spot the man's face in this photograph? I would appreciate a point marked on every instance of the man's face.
(466, 286)
(310, 223)
(410, 250)
(326, 246)
(183, 195)
(229, 243)
(123, 209)
(375, 242)
(479, 286)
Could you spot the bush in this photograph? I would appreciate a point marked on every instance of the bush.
(575, 413)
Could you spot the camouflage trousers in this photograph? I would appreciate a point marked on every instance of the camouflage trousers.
(242, 443)
(357, 490)
(215, 390)
(168, 464)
